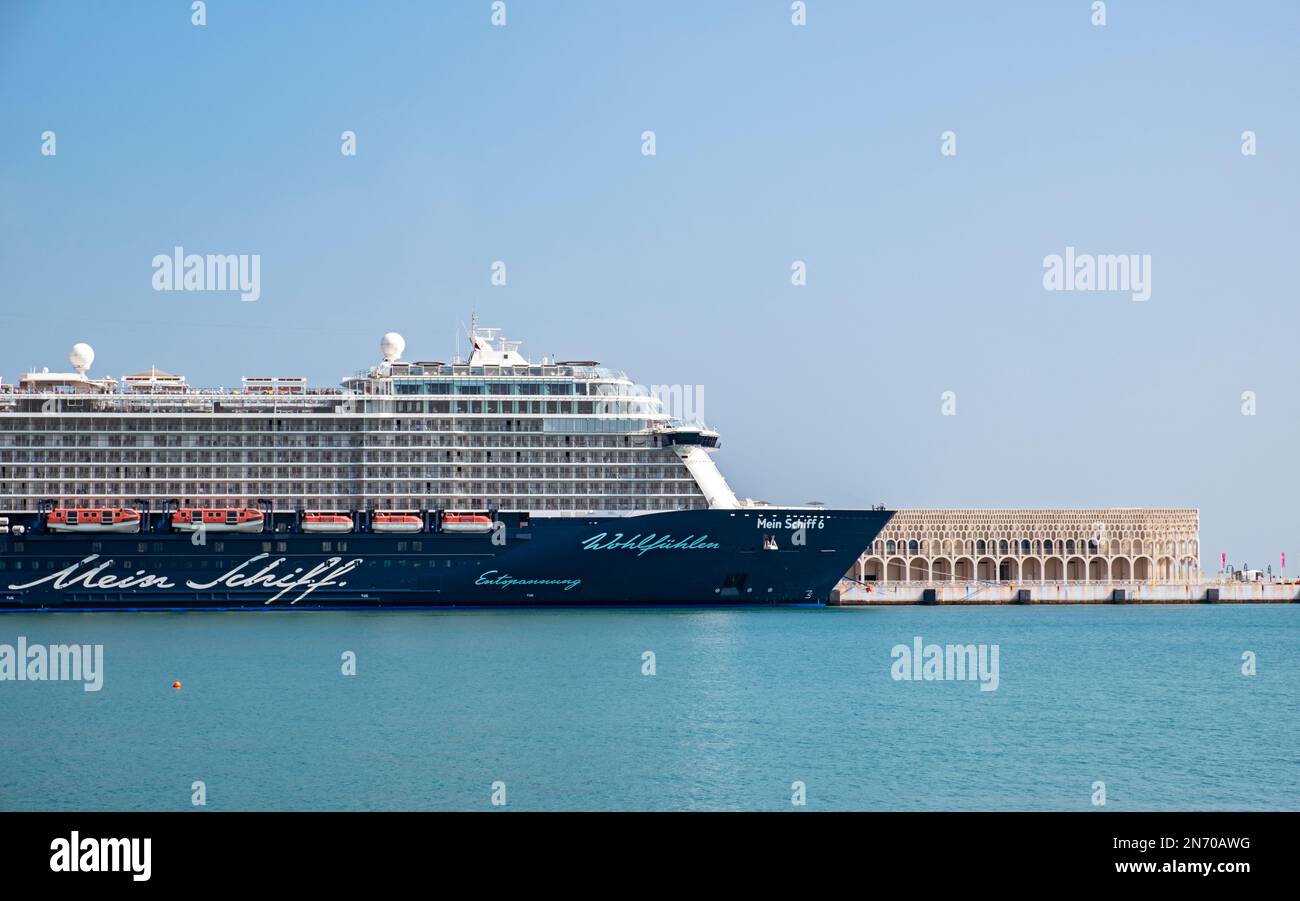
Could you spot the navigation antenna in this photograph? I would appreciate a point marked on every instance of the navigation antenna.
(473, 327)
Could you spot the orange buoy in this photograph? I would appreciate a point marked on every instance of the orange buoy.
(176, 685)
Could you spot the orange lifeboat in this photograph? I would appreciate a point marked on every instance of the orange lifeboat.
(331, 523)
(475, 523)
(93, 519)
(218, 519)
(389, 521)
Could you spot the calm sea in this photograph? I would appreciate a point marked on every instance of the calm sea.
(743, 703)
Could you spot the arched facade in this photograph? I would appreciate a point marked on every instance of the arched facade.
(1052, 545)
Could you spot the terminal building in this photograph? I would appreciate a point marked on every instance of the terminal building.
(1113, 544)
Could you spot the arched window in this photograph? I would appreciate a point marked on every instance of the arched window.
(980, 546)
(1047, 546)
(1024, 547)
(889, 547)
(913, 547)
(1003, 547)
(1069, 546)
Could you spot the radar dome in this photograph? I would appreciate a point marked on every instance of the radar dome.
(391, 346)
(81, 357)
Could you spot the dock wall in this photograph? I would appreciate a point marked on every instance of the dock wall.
(1224, 592)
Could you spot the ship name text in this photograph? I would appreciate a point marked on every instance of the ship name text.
(86, 573)
(792, 522)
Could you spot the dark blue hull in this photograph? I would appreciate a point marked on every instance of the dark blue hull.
(749, 556)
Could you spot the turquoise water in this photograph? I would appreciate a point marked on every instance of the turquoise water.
(1150, 700)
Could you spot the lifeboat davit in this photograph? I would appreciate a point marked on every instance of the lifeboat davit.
(466, 522)
(397, 522)
(93, 519)
(326, 522)
(218, 519)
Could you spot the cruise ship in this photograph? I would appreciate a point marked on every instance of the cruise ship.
(491, 480)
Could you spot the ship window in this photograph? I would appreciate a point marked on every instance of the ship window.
(97, 547)
(325, 546)
(18, 547)
(417, 545)
(266, 547)
(219, 546)
(343, 546)
(401, 546)
(281, 547)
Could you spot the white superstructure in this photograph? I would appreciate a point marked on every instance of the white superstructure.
(495, 430)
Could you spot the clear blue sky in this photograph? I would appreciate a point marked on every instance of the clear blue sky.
(775, 143)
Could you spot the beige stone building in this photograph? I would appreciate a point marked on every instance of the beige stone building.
(1099, 545)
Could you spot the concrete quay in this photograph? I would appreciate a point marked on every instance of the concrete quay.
(858, 594)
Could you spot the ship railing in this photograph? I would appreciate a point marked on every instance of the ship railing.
(548, 370)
